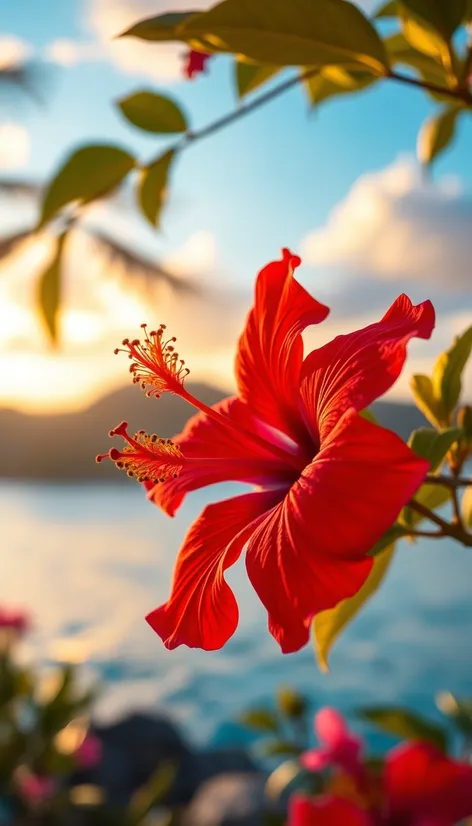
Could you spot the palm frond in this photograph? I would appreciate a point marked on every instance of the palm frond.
(134, 264)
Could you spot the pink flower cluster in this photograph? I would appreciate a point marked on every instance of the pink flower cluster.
(14, 620)
(418, 785)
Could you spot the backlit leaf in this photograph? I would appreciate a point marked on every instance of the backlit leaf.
(299, 33)
(447, 372)
(153, 188)
(249, 76)
(429, 444)
(260, 719)
(153, 113)
(88, 173)
(432, 496)
(466, 508)
(436, 134)
(336, 80)
(426, 400)
(401, 51)
(442, 15)
(49, 290)
(405, 724)
(163, 27)
(328, 625)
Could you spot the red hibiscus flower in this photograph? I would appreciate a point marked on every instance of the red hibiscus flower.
(195, 63)
(421, 787)
(328, 482)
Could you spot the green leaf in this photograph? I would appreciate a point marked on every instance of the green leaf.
(405, 724)
(425, 398)
(447, 372)
(299, 33)
(466, 508)
(390, 536)
(459, 711)
(400, 51)
(164, 27)
(88, 173)
(368, 414)
(429, 444)
(389, 9)
(424, 39)
(152, 792)
(153, 113)
(436, 134)
(49, 290)
(260, 719)
(152, 192)
(292, 704)
(281, 748)
(327, 625)
(431, 496)
(249, 76)
(442, 15)
(336, 80)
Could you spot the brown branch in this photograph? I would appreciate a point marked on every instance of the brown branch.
(458, 94)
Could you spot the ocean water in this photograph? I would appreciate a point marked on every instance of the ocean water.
(90, 561)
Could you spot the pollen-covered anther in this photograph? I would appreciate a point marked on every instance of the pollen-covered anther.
(146, 457)
(155, 366)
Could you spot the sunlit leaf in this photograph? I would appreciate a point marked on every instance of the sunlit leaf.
(425, 39)
(426, 400)
(429, 444)
(260, 719)
(328, 625)
(405, 724)
(436, 134)
(432, 496)
(336, 80)
(163, 27)
(442, 15)
(299, 33)
(459, 711)
(153, 113)
(88, 173)
(447, 372)
(466, 508)
(249, 76)
(401, 51)
(153, 187)
(49, 290)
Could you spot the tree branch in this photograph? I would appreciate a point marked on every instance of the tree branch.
(458, 94)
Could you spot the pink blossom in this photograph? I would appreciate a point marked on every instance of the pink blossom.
(89, 753)
(338, 747)
(34, 788)
(14, 620)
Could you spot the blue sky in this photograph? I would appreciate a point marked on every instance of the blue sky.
(267, 182)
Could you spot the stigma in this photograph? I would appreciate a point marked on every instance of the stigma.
(156, 366)
(145, 457)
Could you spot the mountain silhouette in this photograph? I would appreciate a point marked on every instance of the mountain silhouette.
(63, 446)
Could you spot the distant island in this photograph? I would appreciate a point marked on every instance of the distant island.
(64, 446)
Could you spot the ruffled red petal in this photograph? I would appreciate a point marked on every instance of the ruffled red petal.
(310, 552)
(202, 611)
(238, 458)
(353, 370)
(427, 787)
(325, 811)
(270, 349)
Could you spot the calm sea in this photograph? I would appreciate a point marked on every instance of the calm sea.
(89, 562)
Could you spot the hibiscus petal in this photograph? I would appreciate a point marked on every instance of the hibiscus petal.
(353, 370)
(202, 611)
(310, 552)
(238, 457)
(426, 785)
(325, 811)
(270, 349)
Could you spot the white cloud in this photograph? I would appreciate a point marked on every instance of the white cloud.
(160, 61)
(70, 52)
(13, 51)
(14, 146)
(393, 225)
